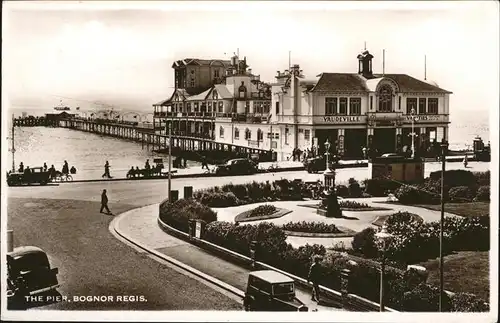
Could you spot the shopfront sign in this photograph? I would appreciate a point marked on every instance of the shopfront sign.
(341, 119)
(426, 118)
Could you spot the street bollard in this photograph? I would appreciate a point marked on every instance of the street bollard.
(344, 286)
(188, 192)
(191, 224)
(253, 248)
(174, 196)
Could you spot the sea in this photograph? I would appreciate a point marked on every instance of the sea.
(88, 152)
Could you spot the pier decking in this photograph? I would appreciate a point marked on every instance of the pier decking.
(192, 147)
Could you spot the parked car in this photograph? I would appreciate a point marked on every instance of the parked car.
(28, 273)
(269, 290)
(239, 166)
(36, 175)
(315, 165)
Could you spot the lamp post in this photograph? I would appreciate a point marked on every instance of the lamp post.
(327, 153)
(444, 148)
(383, 237)
(169, 153)
(413, 119)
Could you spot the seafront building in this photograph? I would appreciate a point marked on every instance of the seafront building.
(225, 102)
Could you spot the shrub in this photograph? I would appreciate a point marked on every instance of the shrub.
(179, 213)
(483, 193)
(354, 188)
(461, 194)
(217, 199)
(425, 298)
(262, 210)
(353, 205)
(342, 190)
(455, 177)
(311, 227)
(364, 243)
(466, 302)
(482, 178)
(407, 194)
(380, 187)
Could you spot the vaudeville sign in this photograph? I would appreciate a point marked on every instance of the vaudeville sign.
(342, 119)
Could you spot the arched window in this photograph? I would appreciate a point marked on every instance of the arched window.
(221, 132)
(260, 135)
(236, 133)
(385, 99)
(248, 134)
(242, 90)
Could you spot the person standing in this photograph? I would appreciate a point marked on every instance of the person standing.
(104, 202)
(44, 167)
(314, 276)
(21, 167)
(65, 168)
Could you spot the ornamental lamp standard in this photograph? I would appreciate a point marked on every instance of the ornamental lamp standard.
(413, 134)
(384, 238)
(329, 174)
(327, 153)
(444, 149)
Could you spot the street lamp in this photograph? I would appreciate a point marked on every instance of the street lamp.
(169, 154)
(413, 119)
(444, 148)
(327, 153)
(384, 238)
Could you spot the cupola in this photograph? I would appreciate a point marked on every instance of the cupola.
(365, 64)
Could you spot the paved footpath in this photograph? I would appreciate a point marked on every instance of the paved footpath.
(140, 227)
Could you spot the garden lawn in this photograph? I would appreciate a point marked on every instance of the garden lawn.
(462, 209)
(465, 271)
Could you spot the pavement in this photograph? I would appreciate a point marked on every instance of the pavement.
(140, 227)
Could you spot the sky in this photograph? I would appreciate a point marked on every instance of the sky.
(99, 51)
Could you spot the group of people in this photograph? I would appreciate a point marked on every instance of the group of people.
(52, 170)
(133, 172)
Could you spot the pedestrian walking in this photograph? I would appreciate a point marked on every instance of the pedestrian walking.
(314, 276)
(106, 170)
(104, 202)
(204, 163)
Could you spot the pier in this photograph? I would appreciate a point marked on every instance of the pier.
(192, 147)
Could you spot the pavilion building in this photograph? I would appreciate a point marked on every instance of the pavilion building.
(349, 110)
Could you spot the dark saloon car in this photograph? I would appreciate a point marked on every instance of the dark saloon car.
(269, 290)
(28, 274)
(314, 165)
(239, 166)
(35, 175)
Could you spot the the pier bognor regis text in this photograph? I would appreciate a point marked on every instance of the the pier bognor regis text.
(88, 298)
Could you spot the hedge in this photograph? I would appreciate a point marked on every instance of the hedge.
(405, 290)
(380, 187)
(254, 192)
(415, 241)
(179, 213)
(461, 194)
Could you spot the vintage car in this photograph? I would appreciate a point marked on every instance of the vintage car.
(269, 290)
(36, 175)
(314, 165)
(28, 273)
(239, 166)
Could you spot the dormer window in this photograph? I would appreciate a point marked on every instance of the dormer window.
(215, 96)
(385, 99)
(242, 90)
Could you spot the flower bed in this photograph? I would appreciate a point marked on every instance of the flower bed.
(348, 206)
(263, 212)
(311, 227)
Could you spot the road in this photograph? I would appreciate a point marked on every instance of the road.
(92, 262)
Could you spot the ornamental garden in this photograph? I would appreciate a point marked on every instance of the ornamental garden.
(272, 212)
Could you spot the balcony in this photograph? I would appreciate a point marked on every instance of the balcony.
(186, 115)
(384, 116)
(244, 117)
